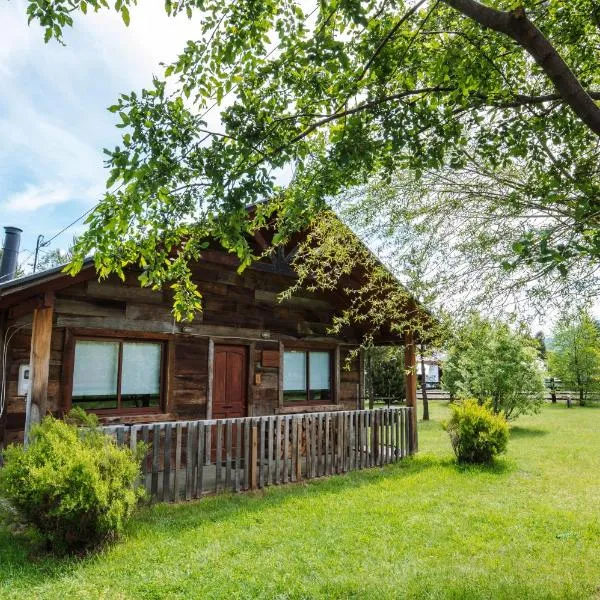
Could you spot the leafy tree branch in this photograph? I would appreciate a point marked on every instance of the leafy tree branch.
(340, 95)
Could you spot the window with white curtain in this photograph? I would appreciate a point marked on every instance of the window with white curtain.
(95, 374)
(117, 374)
(306, 376)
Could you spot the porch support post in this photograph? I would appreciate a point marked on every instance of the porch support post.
(410, 378)
(337, 367)
(280, 377)
(39, 362)
(360, 405)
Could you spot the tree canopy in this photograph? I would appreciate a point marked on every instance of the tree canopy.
(450, 236)
(490, 362)
(575, 354)
(385, 374)
(315, 101)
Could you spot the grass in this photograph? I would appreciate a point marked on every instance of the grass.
(528, 527)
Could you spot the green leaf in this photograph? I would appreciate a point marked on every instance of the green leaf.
(125, 15)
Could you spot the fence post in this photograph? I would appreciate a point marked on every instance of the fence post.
(375, 426)
(253, 456)
(155, 461)
(409, 431)
(299, 451)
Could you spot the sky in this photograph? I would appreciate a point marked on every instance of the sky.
(54, 121)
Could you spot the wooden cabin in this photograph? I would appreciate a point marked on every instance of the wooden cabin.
(113, 348)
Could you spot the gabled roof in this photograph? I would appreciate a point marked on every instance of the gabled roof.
(45, 275)
(23, 288)
(50, 279)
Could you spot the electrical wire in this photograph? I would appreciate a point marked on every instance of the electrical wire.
(85, 214)
(7, 339)
(50, 240)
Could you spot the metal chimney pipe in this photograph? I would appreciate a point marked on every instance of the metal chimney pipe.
(10, 253)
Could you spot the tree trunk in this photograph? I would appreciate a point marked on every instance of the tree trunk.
(410, 378)
(581, 397)
(424, 386)
(517, 26)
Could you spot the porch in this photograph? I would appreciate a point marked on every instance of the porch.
(190, 459)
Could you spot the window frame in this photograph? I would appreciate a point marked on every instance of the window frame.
(120, 338)
(332, 380)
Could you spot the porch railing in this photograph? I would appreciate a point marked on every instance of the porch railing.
(188, 459)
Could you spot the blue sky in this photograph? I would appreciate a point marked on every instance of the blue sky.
(53, 118)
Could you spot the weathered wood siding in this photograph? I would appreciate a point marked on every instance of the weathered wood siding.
(265, 395)
(349, 378)
(18, 354)
(237, 308)
(188, 395)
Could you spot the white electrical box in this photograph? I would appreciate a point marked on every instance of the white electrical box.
(23, 385)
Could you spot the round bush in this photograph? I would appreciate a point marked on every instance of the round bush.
(74, 485)
(476, 433)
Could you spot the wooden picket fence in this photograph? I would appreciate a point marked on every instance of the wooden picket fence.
(188, 459)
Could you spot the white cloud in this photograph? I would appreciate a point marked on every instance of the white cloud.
(34, 197)
(53, 118)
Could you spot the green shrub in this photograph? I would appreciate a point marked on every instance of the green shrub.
(476, 433)
(74, 485)
(490, 361)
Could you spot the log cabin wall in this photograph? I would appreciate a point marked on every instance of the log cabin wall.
(237, 309)
(349, 383)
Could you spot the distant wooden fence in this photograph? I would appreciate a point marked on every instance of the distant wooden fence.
(188, 459)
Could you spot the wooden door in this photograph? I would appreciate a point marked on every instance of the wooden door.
(230, 382)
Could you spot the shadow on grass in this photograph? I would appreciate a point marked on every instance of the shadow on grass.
(526, 432)
(25, 558)
(500, 466)
(179, 517)
(222, 507)
(25, 561)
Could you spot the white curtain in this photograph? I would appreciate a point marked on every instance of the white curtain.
(141, 368)
(96, 368)
(294, 371)
(319, 370)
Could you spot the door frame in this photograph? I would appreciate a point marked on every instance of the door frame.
(249, 369)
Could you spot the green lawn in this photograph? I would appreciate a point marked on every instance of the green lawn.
(527, 528)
